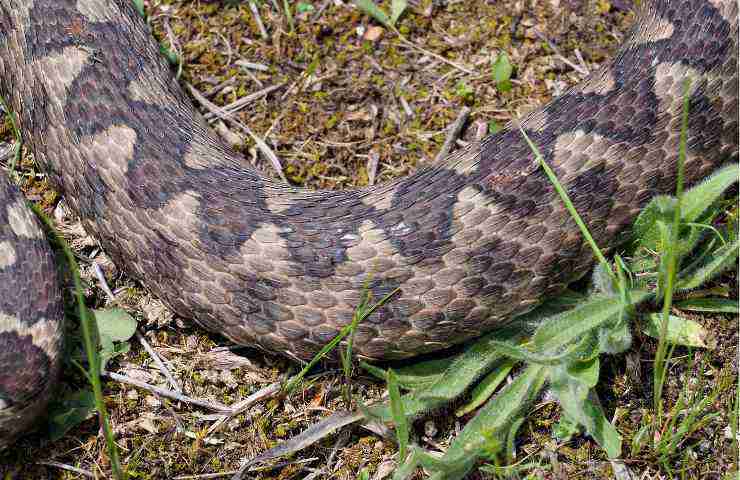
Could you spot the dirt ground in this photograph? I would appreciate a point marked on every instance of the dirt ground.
(344, 102)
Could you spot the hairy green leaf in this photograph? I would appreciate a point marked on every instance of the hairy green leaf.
(714, 305)
(486, 387)
(681, 331)
(399, 416)
(397, 9)
(582, 406)
(715, 263)
(369, 7)
(563, 329)
(485, 434)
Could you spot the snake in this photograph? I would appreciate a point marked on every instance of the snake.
(463, 245)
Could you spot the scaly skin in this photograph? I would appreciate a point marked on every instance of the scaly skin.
(471, 242)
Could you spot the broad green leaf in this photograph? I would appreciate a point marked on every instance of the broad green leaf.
(582, 406)
(369, 7)
(494, 127)
(115, 323)
(486, 387)
(69, 412)
(640, 439)
(717, 262)
(502, 70)
(303, 7)
(109, 351)
(586, 372)
(399, 416)
(139, 5)
(695, 201)
(561, 330)
(714, 305)
(511, 438)
(415, 375)
(493, 421)
(566, 428)
(517, 352)
(660, 208)
(681, 331)
(465, 369)
(397, 9)
(615, 337)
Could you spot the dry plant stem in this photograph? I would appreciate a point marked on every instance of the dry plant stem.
(228, 110)
(261, 145)
(258, 19)
(103, 283)
(453, 133)
(205, 476)
(578, 68)
(439, 57)
(167, 393)
(239, 407)
(158, 361)
(70, 468)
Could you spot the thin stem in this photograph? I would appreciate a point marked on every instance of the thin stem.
(661, 369)
(568, 204)
(89, 333)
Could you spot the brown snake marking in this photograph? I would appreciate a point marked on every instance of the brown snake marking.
(470, 242)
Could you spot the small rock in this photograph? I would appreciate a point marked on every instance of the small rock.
(384, 470)
(373, 33)
(430, 429)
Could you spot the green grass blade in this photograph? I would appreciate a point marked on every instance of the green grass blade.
(89, 333)
(566, 200)
(671, 262)
(399, 416)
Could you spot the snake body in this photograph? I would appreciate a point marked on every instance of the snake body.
(469, 242)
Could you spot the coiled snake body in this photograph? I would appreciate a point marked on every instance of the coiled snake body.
(470, 242)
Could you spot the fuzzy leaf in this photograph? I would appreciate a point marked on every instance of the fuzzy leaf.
(486, 387)
(465, 369)
(586, 372)
(714, 305)
(681, 331)
(583, 407)
(399, 417)
(717, 262)
(397, 9)
(485, 434)
(659, 209)
(369, 7)
(698, 199)
(561, 330)
(416, 375)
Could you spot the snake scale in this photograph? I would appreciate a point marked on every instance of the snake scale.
(470, 242)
